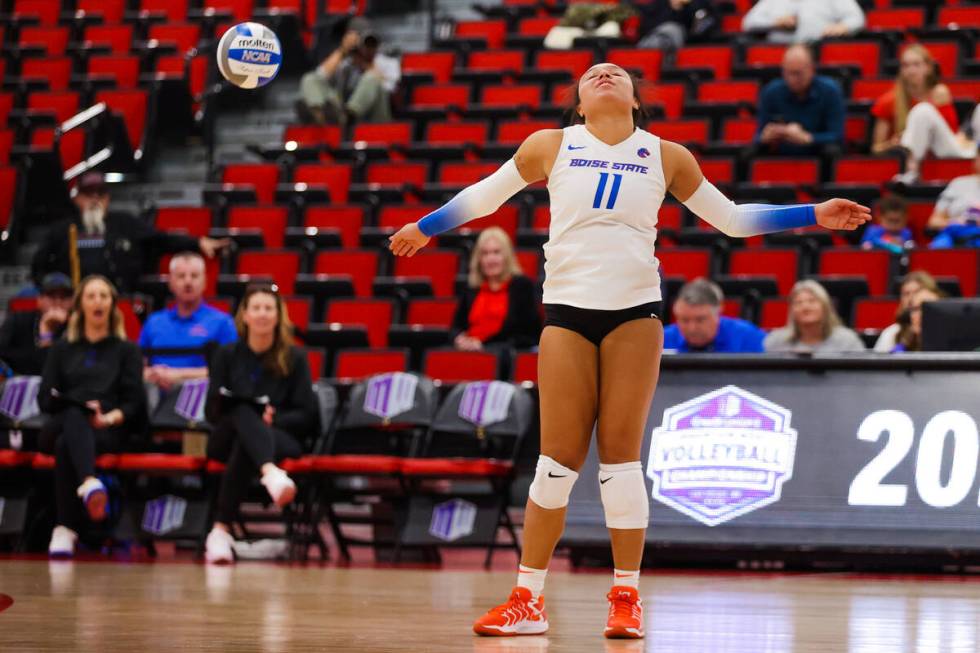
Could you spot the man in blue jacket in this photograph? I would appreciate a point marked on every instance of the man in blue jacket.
(700, 327)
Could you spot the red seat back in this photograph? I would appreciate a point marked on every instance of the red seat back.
(647, 62)
(875, 313)
(864, 54)
(439, 64)
(360, 265)
(687, 263)
(574, 62)
(865, 169)
(512, 96)
(53, 39)
(783, 264)
(270, 220)
(194, 221)
(335, 176)
(457, 133)
(775, 313)
(263, 177)
(497, 60)
(492, 31)
(383, 133)
(873, 265)
(460, 366)
(718, 59)
(348, 220)
(125, 70)
(281, 266)
(374, 314)
(132, 106)
(56, 71)
(439, 267)
(964, 264)
(358, 364)
(119, 38)
(785, 171)
(432, 312)
(526, 367)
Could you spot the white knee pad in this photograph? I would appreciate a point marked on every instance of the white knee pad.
(624, 495)
(552, 484)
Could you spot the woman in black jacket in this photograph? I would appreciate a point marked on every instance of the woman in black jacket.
(500, 306)
(92, 386)
(262, 406)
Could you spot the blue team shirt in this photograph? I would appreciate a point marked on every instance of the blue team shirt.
(168, 329)
(734, 337)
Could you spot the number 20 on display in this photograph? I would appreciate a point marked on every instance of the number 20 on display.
(867, 489)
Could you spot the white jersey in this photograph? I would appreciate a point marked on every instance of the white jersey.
(604, 204)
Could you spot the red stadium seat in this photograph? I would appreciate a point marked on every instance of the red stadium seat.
(396, 217)
(945, 169)
(131, 105)
(240, 10)
(374, 314)
(732, 307)
(864, 54)
(526, 367)
(764, 55)
(670, 217)
(6, 142)
(682, 131)
(718, 170)
(44, 12)
(514, 133)
(530, 262)
(54, 40)
(8, 188)
(383, 133)
(870, 90)
(125, 70)
(316, 358)
(434, 312)
(440, 267)
(895, 19)
(262, 177)
(348, 220)
(194, 221)
(63, 105)
(574, 62)
(647, 62)
(456, 133)
(328, 135)
(438, 64)
(57, 71)
(687, 263)
(70, 144)
(959, 17)
(964, 264)
(738, 131)
(175, 11)
(856, 133)
(119, 38)
(441, 96)
(359, 364)
(774, 314)
(506, 218)
(298, 309)
(784, 171)
(919, 214)
(741, 91)
(397, 173)
(670, 97)
(964, 89)
(718, 59)
(282, 266)
(783, 264)
(194, 71)
(360, 265)
(536, 26)
(873, 265)
(466, 173)
(460, 366)
(335, 177)
(875, 312)
(511, 61)
(491, 31)
(183, 36)
(269, 220)
(516, 96)
(865, 169)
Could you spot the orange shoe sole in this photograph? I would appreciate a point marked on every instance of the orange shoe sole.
(95, 505)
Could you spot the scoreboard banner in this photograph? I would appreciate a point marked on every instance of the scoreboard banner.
(821, 452)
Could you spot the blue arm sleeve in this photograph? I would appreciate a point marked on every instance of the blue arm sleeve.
(744, 220)
(482, 198)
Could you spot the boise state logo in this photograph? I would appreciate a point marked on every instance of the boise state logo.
(721, 455)
(643, 152)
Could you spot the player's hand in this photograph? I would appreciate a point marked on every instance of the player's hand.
(268, 415)
(211, 247)
(841, 214)
(408, 240)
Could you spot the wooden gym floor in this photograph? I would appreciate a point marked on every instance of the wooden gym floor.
(143, 608)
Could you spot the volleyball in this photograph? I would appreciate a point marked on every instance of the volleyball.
(249, 55)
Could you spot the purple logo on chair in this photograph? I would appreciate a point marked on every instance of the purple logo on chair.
(390, 394)
(722, 455)
(486, 402)
(19, 399)
(452, 519)
(164, 514)
(190, 402)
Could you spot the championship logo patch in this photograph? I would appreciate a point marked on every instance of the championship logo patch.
(390, 394)
(192, 399)
(452, 519)
(486, 402)
(19, 399)
(722, 455)
(164, 514)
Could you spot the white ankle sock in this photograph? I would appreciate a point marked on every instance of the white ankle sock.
(626, 578)
(532, 579)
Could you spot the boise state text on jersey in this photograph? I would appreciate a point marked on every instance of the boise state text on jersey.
(611, 165)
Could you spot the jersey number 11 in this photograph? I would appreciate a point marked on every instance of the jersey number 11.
(601, 190)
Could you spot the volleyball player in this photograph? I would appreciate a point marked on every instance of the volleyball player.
(600, 350)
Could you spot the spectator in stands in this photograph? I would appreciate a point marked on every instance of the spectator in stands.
(891, 232)
(92, 386)
(354, 83)
(959, 202)
(669, 25)
(190, 323)
(910, 332)
(700, 327)
(802, 113)
(911, 284)
(26, 337)
(262, 405)
(111, 243)
(804, 21)
(499, 308)
(918, 115)
(814, 326)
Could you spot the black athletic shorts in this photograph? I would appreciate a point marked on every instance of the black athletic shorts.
(594, 325)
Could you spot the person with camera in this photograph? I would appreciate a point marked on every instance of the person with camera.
(353, 84)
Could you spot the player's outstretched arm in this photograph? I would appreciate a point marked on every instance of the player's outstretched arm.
(686, 182)
(482, 198)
